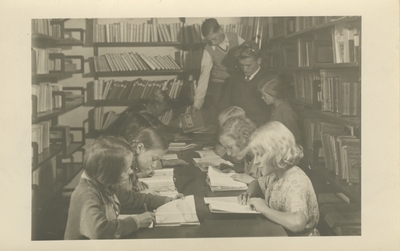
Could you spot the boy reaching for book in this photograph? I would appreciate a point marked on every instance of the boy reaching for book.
(284, 193)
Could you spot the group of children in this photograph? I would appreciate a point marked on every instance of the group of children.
(265, 154)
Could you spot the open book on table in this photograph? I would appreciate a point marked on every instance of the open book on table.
(209, 158)
(228, 205)
(220, 181)
(179, 212)
(162, 182)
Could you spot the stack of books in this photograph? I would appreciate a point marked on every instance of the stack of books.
(41, 135)
(346, 40)
(43, 63)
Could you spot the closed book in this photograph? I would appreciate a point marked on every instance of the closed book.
(354, 164)
(192, 123)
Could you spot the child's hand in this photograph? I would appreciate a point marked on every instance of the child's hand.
(145, 219)
(244, 198)
(257, 203)
(219, 150)
(139, 186)
(178, 196)
(243, 177)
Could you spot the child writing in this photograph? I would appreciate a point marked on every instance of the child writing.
(97, 200)
(274, 92)
(284, 193)
(234, 136)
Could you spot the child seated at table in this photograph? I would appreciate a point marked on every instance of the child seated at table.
(229, 112)
(97, 200)
(235, 135)
(284, 193)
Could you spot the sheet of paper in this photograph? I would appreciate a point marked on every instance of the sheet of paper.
(123, 216)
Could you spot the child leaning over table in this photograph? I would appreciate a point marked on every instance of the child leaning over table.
(97, 200)
(284, 194)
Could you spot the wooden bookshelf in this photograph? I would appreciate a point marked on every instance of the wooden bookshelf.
(55, 113)
(337, 118)
(136, 44)
(118, 102)
(46, 40)
(46, 155)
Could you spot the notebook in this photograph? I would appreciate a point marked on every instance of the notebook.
(219, 181)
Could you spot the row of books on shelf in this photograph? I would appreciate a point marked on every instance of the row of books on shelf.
(46, 27)
(146, 32)
(133, 62)
(340, 92)
(43, 63)
(189, 59)
(135, 89)
(340, 150)
(346, 39)
(304, 85)
(45, 100)
(43, 133)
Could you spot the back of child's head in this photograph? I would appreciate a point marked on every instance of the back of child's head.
(275, 85)
(239, 129)
(277, 142)
(160, 97)
(129, 124)
(248, 49)
(106, 159)
(209, 26)
(230, 112)
(151, 139)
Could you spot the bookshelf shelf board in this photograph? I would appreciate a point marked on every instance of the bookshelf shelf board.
(351, 191)
(299, 33)
(62, 75)
(47, 154)
(38, 39)
(336, 118)
(339, 21)
(136, 44)
(128, 102)
(305, 68)
(280, 36)
(72, 148)
(137, 73)
(54, 113)
(336, 65)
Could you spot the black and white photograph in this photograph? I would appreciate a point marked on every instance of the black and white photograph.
(198, 129)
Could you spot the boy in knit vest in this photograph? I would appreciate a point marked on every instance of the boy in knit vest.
(216, 64)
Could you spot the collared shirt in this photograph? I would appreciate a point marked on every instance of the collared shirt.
(206, 66)
(252, 75)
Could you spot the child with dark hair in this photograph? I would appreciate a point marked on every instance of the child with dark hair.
(216, 65)
(97, 200)
(242, 90)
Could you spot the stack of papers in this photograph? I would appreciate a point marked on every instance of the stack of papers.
(181, 212)
(162, 182)
(220, 181)
(209, 158)
(228, 205)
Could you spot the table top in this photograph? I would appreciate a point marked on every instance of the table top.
(189, 180)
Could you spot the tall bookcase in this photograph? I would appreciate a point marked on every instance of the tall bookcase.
(323, 57)
(53, 145)
(180, 42)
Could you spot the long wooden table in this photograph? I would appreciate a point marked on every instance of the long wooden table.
(189, 180)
